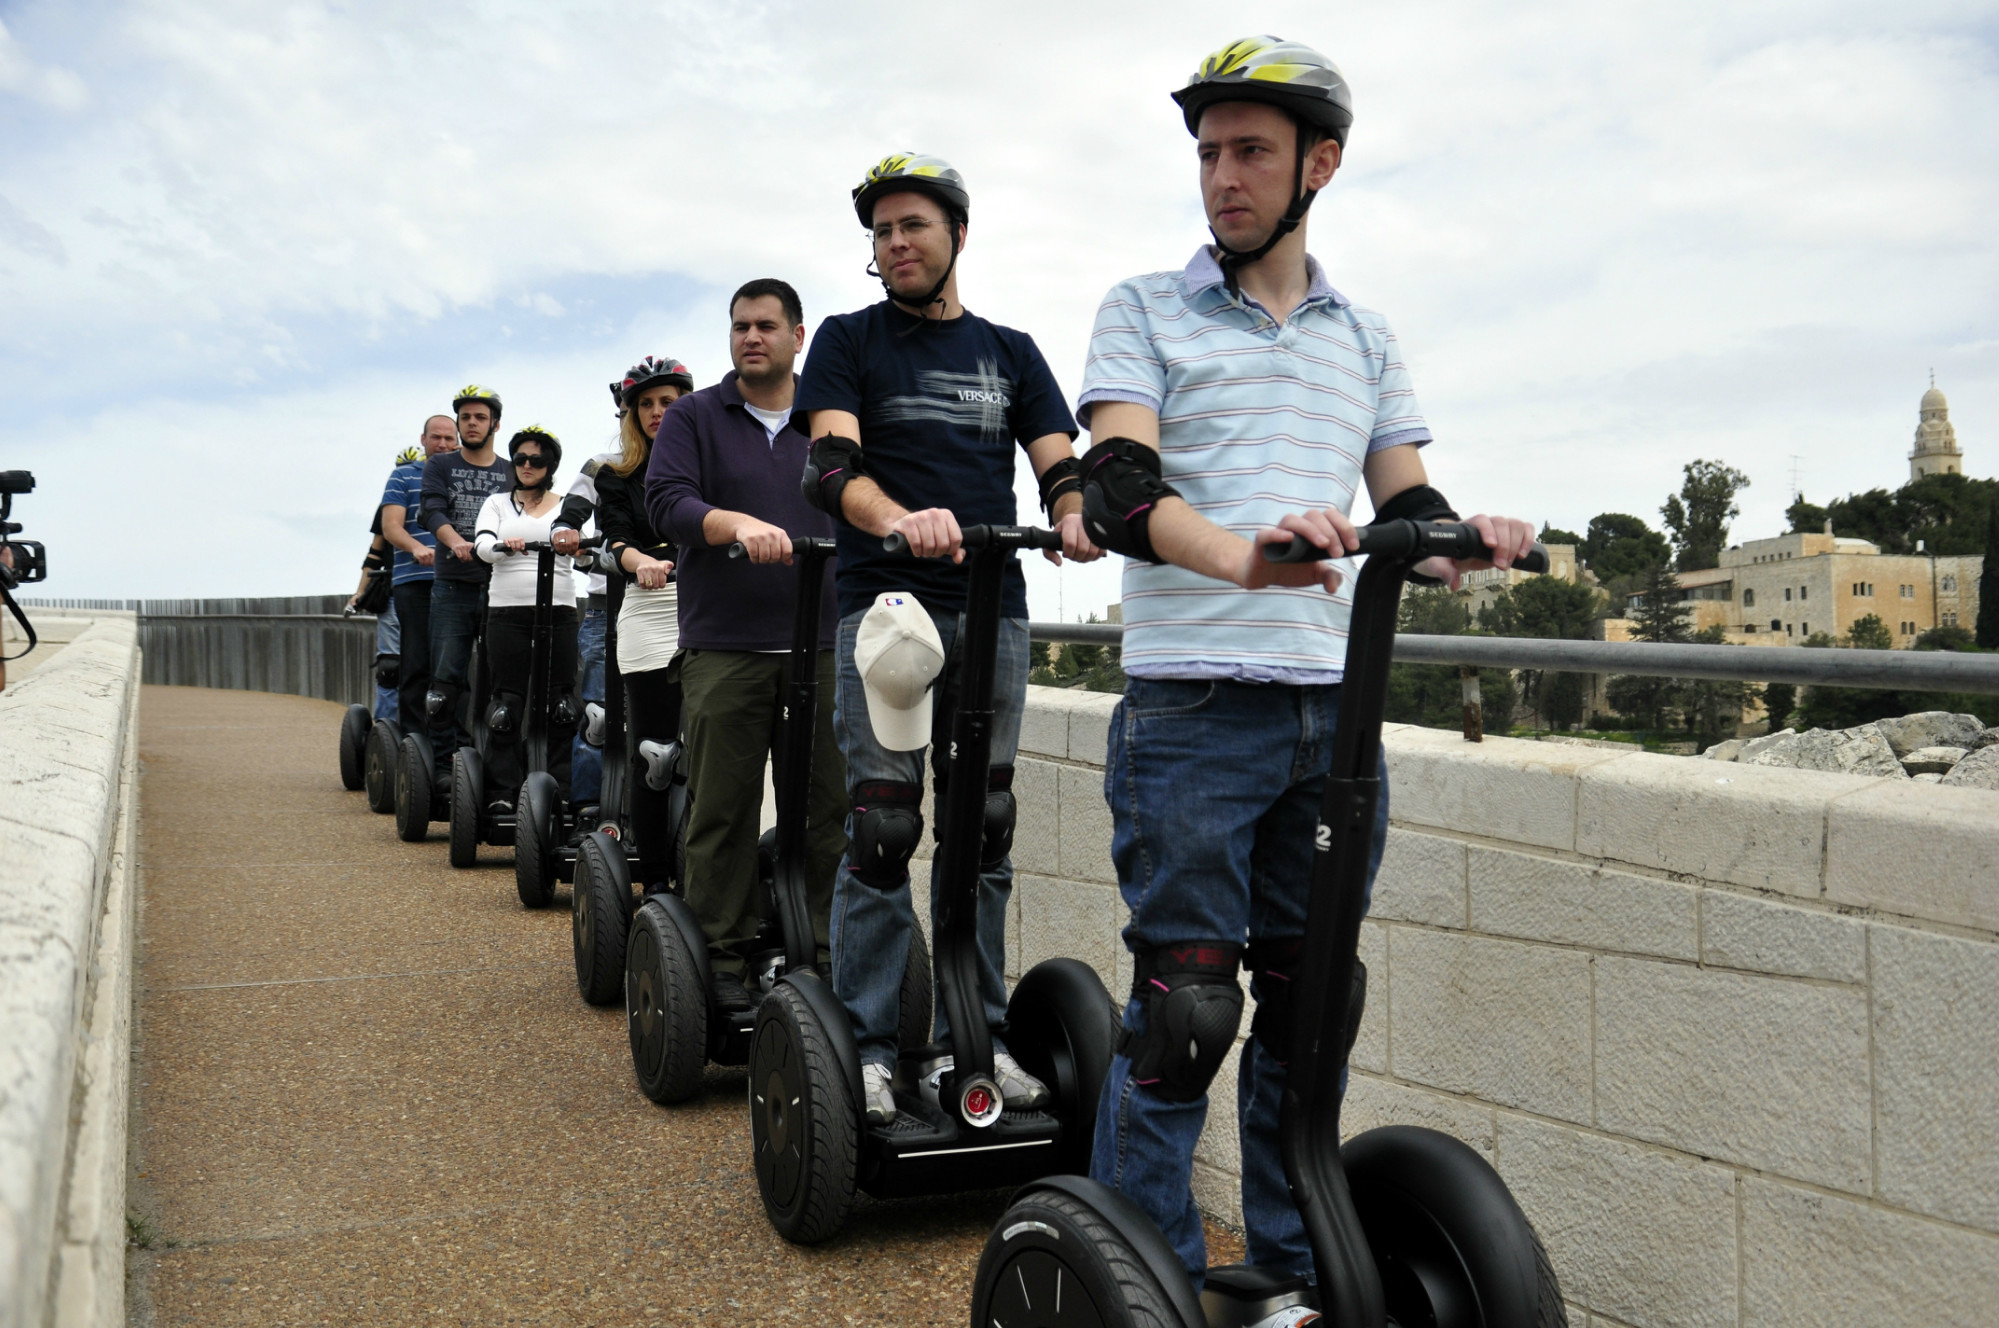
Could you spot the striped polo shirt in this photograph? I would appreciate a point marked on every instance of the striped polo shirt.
(1257, 419)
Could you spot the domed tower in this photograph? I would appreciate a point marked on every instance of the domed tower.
(1936, 442)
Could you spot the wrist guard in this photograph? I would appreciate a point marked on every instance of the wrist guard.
(832, 462)
(1418, 502)
(1058, 481)
(1121, 485)
(376, 560)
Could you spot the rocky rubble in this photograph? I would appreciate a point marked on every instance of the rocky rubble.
(1935, 747)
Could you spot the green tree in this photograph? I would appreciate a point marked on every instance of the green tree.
(1805, 518)
(1661, 616)
(1551, 609)
(1988, 583)
(1846, 707)
(1550, 535)
(1869, 633)
(1699, 514)
(1945, 638)
(1618, 545)
(1779, 699)
(1433, 694)
(1711, 708)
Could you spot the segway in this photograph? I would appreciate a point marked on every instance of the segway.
(674, 1025)
(355, 726)
(813, 1146)
(378, 765)
(1408, 1226)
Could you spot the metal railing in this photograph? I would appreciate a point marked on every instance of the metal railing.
(1905, 670)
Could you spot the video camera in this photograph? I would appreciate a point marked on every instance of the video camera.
(22, 562)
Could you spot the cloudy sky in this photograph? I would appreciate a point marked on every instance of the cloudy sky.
(246, 247)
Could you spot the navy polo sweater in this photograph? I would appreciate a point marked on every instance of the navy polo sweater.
(711, 452)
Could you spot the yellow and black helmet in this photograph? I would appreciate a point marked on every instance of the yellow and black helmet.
(551, 446)
(901, 172)
(471, 393)
(409, 454)
(1288, 75)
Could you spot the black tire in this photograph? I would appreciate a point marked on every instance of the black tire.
(413, 792)
(535, 827)
(1452, 1247)
(378, 766)
(465, 791)
(1063, 1028)
(804, 1138)
(600, 915)
(1052, 1261)
(354, 726)
(666, 1010)
(913, 1016)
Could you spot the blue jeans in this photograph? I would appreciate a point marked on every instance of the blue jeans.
(1214, 790)
(586, 763)
(870, 926)
(456, 608)
(388, 641)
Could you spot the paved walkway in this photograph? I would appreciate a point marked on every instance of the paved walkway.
(366, 1091)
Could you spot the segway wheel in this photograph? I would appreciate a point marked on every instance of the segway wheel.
(803, 1134)
(666, 1010)
(378, 766)
(535, 827)
(600, 913)
(354, 726)
(1054, 1261)
(412, 792)
(465, 784)
(1452, 1246)
(913, 1016)
(1062, 1027)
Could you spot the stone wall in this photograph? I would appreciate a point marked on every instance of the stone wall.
(68, 817)
(1731, 1034)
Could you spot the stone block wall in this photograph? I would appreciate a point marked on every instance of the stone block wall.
(68, 817)
(1731, 1034)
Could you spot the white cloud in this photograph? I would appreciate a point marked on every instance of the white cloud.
(1613, 239)
(21, 76)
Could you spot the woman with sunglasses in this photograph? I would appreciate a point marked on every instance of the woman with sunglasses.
(507, 522)
(648, 622)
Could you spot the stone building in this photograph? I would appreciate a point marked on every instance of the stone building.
(1935, 452)
(1482, 587)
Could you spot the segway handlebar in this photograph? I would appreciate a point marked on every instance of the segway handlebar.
(981, 537)
(1408, 539)
(539, 546)
(799, 544)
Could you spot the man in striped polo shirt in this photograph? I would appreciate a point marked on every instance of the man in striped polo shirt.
(1232, 404)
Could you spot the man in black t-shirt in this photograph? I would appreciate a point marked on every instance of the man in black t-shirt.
(935, 399)
(455, 486)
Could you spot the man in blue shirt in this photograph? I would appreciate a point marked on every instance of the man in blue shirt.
(410, 577)
(1228, 403)
(935, 399)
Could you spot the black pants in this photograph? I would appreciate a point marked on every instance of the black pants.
(509, 647)
(413, 611)
(652, 699)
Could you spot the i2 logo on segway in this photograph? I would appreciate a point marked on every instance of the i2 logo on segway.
(1323, 839)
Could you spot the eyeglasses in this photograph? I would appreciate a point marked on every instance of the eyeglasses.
(529, 459)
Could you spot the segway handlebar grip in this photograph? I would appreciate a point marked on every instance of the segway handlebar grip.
(805, 544)
(1423, 539)
(979, 537)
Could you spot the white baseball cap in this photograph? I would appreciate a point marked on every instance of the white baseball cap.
(899, 655)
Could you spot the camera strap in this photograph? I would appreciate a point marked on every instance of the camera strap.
(20, 618)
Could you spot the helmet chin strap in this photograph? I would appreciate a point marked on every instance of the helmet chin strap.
(1234, 260)
(936, 294)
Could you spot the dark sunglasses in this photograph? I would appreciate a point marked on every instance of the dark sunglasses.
(530, 459)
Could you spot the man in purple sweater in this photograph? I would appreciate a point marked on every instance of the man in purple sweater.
(724, 469)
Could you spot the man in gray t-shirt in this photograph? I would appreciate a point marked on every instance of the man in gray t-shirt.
(455, 486)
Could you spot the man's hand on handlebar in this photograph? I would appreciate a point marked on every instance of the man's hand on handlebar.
(1327, 527)
(1508, 537)
(931, 533)
(762, 542)
(650, 573)
(1075, 542)
(565, 540)
(424, 555)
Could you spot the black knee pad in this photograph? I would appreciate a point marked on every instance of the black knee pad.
(888, 825)
(1192, 1009)
(563, 711)
(503, 713)
(441, 701)
(1000, 810)
(1275, 963)
(388, 670)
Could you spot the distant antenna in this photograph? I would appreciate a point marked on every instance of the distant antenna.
(1797, 473)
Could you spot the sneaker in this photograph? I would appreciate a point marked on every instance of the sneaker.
(1291, 1316)
(1019, 1090)
(731, 996)
(499, 808)
(876, 1093)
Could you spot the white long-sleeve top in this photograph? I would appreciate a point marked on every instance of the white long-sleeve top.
(513, 573)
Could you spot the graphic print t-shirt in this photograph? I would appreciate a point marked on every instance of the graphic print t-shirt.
(942, 409)
(457, 489)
